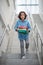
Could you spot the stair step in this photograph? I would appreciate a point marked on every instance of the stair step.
(14, 59)
(21, 62)
(17, 56)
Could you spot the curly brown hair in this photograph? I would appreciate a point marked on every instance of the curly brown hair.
(19, 16)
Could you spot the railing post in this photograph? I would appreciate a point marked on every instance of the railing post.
(41, 53)
(37, 39)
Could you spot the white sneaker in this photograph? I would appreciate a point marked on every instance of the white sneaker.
(23, 57)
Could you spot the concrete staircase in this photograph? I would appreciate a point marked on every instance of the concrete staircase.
(12, 55)
(14, 59)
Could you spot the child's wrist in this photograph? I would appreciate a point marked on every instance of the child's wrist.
(16, 29)
(28, 30)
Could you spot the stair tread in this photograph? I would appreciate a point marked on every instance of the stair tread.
(17, 56)
(22, 62)
(12, 59)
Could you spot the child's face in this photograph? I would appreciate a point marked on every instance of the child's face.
(22, 16)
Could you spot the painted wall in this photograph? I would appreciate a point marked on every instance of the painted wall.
(7, 11)
(41, 16)
(41, 6)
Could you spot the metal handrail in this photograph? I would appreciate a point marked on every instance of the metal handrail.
(3, 37)
(35, 26)
(37, 51)
(39, 34)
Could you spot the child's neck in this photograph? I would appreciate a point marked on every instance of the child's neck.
(23, 20)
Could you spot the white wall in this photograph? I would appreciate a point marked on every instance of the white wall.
(41, 16)
(41, 6)
(7, 12)
(34, 9)
(30, 9)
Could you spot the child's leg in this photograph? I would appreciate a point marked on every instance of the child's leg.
(22, 47)
(27, 43)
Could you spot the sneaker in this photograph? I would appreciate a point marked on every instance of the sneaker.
(23, 57)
